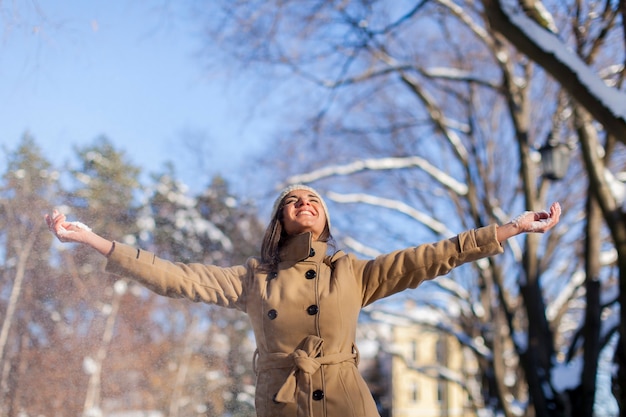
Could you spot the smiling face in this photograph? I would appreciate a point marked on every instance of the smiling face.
(303, 212)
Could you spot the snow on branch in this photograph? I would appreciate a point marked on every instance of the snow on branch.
(359, 247)
(452, 287)
(566, 294)
(606, 104)
(455, 74)
(404, 208)
(380, 164)
(368, 74)
(612, 98)
(462, 15)
(616, 187)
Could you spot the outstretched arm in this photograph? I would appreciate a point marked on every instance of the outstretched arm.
(76, 232)
(527, 222)
(530, 222)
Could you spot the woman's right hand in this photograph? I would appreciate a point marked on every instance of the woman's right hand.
(67, 231)
(77, 232)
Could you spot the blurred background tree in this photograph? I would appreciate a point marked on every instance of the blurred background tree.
(77, 341)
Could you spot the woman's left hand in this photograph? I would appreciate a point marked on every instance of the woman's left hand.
(530, 222)
(538, 221)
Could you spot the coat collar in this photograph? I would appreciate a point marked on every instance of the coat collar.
(301, 247)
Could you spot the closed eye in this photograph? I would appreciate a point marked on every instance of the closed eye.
(312, 198)
(290, 200)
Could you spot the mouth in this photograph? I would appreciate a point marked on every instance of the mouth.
(305, 213)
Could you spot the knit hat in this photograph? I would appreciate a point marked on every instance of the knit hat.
(294, 187)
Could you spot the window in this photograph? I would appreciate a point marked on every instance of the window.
(415, 393)
(442, 350)
(441, 391)
(413, 353)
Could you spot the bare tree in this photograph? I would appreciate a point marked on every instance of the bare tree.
(593, 80)
(424, 112)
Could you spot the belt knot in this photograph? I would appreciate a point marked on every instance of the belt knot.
(304, 362)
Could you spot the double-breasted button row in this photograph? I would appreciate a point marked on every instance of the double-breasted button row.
(310, 274)
(312, 310)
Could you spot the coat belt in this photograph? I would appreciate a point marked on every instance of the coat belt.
(304, 361)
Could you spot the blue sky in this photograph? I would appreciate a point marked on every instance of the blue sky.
(72, 71)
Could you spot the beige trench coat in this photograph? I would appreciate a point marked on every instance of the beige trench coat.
(305, 313)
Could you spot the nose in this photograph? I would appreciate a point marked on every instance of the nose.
(302, 201)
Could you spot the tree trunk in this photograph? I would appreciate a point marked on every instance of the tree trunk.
(183, 368)
(583, 398)
(94, 387)
(616, 223)
(536, 359)
(20, 272)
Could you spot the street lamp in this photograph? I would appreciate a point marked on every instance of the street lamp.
(554, 159)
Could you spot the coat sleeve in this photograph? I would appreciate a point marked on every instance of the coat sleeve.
(197, 282)
(394, 272)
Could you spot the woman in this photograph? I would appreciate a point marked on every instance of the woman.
(302, 302)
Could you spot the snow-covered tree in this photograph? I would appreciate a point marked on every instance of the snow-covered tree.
(215, 349)
(27, 183)
(76, 340)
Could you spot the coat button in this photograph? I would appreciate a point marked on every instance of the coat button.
(312, 310)
(311, 253)
(310, 274)
(272, 314)
(318, 394)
